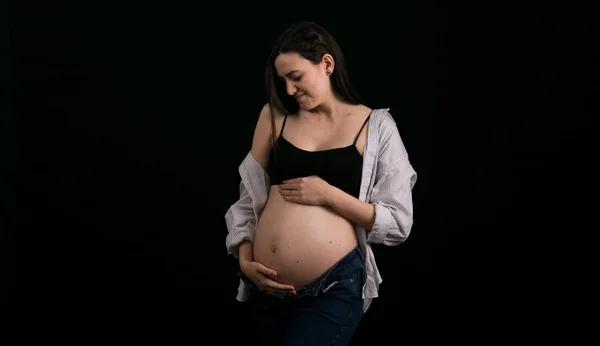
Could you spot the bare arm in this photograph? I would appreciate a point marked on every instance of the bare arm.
(352, 208)
(240, 217)
(261, 142)
(246, 253)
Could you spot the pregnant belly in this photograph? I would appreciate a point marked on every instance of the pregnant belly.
(301, 242)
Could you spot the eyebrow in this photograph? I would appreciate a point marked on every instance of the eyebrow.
(289, 73)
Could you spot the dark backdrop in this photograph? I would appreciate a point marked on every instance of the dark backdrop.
(138, 115)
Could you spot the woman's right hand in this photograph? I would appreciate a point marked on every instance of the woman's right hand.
(264, 278)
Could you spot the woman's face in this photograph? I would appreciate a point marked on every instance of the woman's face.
(307, 82)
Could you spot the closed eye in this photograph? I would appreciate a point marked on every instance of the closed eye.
(295, 79)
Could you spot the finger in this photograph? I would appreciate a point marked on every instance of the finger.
(266, 271)
(289, 192)
(292, 181)
(271, 291)
(276, 286)
(278, 291)
(291, 198)
(289, 186)
(275, 291)
(277, 295)
(280, 287)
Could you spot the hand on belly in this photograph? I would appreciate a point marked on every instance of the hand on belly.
(300, 263)
(301, 242)
(266, 279)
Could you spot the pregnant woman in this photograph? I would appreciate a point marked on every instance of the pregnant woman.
(325, 178)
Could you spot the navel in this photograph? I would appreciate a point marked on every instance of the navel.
(273, 248)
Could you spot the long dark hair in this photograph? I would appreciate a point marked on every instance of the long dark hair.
(311, 41)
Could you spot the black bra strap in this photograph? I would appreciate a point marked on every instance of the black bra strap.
(362, 127)
(283, 125)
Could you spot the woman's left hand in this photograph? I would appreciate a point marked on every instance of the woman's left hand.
(310, 190)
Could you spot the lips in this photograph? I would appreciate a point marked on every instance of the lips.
(301, 97)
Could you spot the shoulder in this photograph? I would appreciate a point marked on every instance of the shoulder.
(263, 133)
(266, 117)
(267, 109)
(386, 123)
(384, 118)
(389, 140)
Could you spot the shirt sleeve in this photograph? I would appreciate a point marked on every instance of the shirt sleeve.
(392, 190)
(240, 221)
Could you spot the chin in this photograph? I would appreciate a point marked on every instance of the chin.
(308, 106)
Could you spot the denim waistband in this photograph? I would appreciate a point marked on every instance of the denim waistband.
(352, 260)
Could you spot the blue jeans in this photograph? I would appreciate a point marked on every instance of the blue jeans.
(325, 312)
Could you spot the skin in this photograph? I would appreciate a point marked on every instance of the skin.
(320, 108)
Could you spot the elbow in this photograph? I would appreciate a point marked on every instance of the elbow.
(236, 237)
(390, 228)
(392, 236)
(240, 223)
(396, 237)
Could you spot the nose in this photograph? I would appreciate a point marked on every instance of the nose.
(290, 88)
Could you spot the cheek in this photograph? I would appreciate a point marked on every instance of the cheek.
(315, 88)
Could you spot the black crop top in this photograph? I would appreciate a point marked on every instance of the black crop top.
(340, 167)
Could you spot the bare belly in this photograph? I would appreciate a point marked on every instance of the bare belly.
(301, 242)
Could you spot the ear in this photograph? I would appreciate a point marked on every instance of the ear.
(328, 64)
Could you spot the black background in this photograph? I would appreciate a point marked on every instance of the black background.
(134, 118)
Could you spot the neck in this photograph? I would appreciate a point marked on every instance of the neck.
(330, 109)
